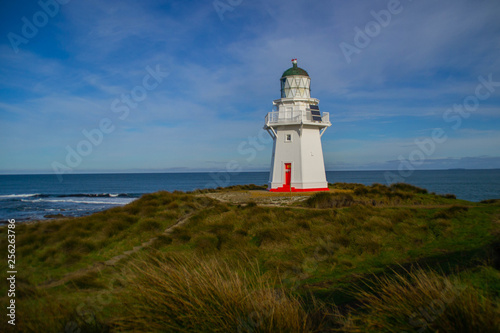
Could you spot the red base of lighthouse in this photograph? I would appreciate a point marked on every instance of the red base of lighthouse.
(287, 189)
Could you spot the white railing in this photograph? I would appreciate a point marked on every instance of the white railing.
(295, 117)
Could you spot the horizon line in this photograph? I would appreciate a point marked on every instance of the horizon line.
(222, 171)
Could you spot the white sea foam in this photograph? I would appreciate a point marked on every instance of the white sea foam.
(123, 201)
(19, 195)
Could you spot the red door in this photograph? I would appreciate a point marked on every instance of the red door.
(288, 174)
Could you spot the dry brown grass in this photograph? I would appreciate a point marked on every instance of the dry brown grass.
(182, 294)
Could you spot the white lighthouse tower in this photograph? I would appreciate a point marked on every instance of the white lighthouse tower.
(296, 126)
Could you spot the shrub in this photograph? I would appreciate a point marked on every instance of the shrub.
(490, 201)
(195, 295)
(361, 191)
(377, 188)
(408, 188)
(330, 200)
(346, 186)
(249, 187)
(149, 224)
(400, 194)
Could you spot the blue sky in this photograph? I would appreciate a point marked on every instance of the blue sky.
(387, 87)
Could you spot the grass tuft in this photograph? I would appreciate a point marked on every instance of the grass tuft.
(161, 241)
(86, 280)
(421, 300)
(491, 201)
(114, 226)
(195, 295)
(205, 243)
(448, 196)
(450, 212)
(149, 224)
(408, 188)
(74, 245)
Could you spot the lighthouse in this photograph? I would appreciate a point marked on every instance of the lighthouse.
(296, 126)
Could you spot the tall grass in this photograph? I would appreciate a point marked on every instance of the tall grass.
(195, 295)
(422, 300)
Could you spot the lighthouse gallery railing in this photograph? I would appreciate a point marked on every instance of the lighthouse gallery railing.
(295, 117)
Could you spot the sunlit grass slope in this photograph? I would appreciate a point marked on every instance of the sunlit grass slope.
(356, 259)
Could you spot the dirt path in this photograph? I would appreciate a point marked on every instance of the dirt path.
(262, 198)
(113, 261)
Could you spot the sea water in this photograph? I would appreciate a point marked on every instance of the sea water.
(32, 197)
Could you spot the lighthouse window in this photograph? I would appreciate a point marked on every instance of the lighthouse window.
(288, 138)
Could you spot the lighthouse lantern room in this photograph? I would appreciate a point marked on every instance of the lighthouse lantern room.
(296, 126)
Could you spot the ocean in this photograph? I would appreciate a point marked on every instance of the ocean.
(34, 197)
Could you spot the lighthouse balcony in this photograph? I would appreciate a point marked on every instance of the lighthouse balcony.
(297, 117)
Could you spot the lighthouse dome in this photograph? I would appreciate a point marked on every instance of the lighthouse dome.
(295, 82)
(295, 70)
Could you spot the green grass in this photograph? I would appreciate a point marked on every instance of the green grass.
(322, 256)
(396, 194)
(421, 300)
(330, 200)
(54, 248)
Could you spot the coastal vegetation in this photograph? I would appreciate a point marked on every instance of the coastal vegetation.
(355, 259)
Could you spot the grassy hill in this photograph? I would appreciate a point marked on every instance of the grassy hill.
(356, 259)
